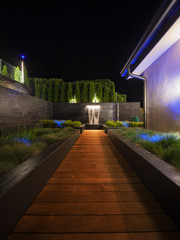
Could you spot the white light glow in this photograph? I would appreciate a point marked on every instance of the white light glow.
(22, 70)
(93, 106)
(170, 38)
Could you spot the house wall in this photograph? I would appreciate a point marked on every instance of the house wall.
(163, 91)
(17, 108)
(108, 111)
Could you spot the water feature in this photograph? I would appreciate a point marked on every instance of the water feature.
(93, 113)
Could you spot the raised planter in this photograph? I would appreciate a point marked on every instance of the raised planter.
(162, 179)
(20, 186)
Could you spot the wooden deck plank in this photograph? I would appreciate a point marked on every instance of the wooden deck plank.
(94, 224)
(98, 236)
(94, 195)
(95, 208)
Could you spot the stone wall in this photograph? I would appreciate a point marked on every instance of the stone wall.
(17, 108)
(108, 111)
(163, 91)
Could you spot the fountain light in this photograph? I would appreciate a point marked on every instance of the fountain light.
(93, 106)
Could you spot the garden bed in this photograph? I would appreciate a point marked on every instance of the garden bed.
(20, 186)
(162, 179)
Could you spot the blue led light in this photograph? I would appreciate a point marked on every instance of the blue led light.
(126, 124)
(24, 140)
(22, 57)
(59, 123)
(154, 138)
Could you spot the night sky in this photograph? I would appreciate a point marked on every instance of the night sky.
(76, 40)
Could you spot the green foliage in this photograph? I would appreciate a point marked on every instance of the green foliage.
(50, 91)
(77, 93)
(136, 124)
(62, 93)
(5, 71)
(106, 93)
(69, 123)
(48, 123)
(118, 124)
(69, 93)
(37, 88)
(110, 123)
(121, 97)
(99, 93)
(17, 74)
(91, 92)
(56, 91)
(44, 89)
(85, 92)
(112, 95)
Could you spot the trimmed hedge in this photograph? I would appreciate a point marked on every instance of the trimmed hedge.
(55, 90)
(124, 124)
(55, 123)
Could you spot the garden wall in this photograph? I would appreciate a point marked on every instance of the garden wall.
(17, 108)
(109, 111)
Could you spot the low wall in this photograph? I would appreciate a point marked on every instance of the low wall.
(109, 111)
(17, 108)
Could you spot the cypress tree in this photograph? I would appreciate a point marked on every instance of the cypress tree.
(17, 74)
(37, 88)
(91, 91)
(50, 91)
(69, 92)
(5, 71)
(85, 92)
(106, 93)
(26, 82)
(77, 93)
(112, 93)
(62, 93)
(56, 91)
(99, 92)
(44, 89)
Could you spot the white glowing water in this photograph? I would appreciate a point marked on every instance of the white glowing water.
(94, 113)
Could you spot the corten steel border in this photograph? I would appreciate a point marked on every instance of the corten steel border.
(20, 186)
(162, 179)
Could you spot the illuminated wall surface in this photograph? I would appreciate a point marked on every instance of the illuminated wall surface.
(163, 91)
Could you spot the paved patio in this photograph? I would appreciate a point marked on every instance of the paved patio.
(94, 194)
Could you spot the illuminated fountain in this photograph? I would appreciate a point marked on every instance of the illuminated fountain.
(93, 113)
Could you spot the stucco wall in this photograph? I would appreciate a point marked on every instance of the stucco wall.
(163, 91)
(109, 111)
(17, 108)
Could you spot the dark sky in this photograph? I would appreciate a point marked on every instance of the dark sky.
(76, 39)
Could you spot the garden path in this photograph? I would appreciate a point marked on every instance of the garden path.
(94, 194)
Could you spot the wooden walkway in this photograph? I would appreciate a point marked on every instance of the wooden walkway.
(94, 195)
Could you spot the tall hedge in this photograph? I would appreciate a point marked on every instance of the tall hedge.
(77, 93)
(85, 92)
(50, 91)
(99, 93)
(17, 74)
(106, 93)
(37, 88)
(112, 95)
(62, 93)
(91, 92)
(44, 89)
(69, 92)
(56, 91)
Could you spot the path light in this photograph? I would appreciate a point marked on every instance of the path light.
(22, 68)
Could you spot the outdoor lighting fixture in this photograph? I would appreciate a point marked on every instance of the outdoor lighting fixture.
(22, 67)
(93, 106)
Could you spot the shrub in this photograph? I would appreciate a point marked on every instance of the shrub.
(56, 91)
(110, 123)
(118, 124)
(112, 93)
(106, 93)
(44, 90)
(136, 124)
(69, 123)
(50, 91)
(48, 123)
